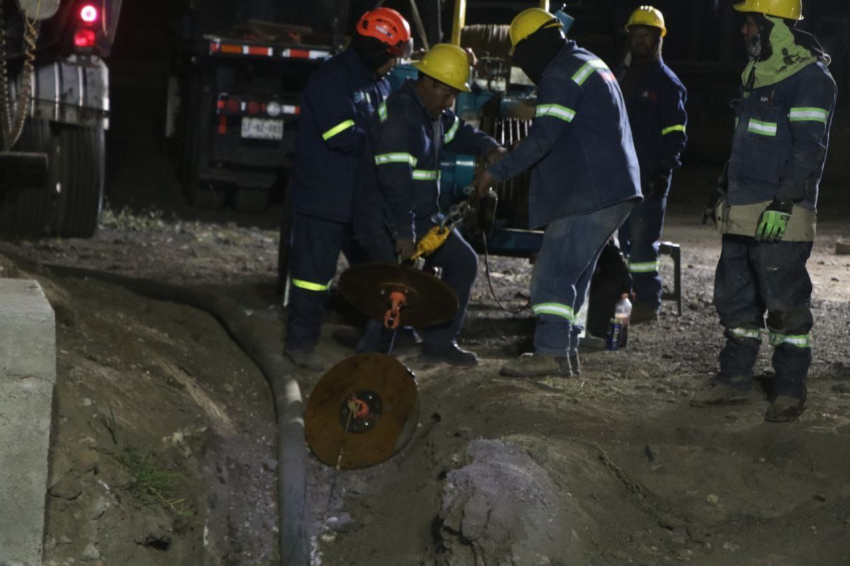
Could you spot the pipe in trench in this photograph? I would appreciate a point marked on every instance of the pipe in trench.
(289, 407)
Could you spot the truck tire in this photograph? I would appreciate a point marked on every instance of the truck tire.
(26, 212)
(79, 155)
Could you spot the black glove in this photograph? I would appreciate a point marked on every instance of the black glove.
(658, 183)
(405, 248)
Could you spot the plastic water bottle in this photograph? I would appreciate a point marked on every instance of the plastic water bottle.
(618, 331)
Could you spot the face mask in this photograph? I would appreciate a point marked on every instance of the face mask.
(754, 47)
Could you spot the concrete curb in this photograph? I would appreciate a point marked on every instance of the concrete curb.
(27, 378)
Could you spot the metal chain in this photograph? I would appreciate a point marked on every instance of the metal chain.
(336, 470)
(13, 115)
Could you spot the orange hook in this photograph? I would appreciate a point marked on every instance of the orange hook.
(358, 407)
(393, 317)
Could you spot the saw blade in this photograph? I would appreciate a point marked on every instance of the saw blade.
(362, 411)
(368, 287)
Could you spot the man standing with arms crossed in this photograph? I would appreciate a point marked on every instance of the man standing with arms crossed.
(767, 212)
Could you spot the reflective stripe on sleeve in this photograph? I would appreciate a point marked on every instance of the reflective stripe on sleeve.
(803, 114)
(676, 128)
(556, 309)
(762, 128)
(337, 129)
(425, 175)
(301, 284)
(556, 111)
(386, 158)
(450, 135)
(382, 111)
(588, 68)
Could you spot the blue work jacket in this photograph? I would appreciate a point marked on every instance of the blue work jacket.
(580, 144)
(781, 138)
(407, 145)
(655, 101)
(337, 105)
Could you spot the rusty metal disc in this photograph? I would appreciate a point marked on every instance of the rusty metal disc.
(368, 287)
(365, 407)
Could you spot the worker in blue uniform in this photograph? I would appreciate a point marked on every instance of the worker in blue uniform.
(767, 209)
(414, 125)
(655, 100)
(337, 104)
(584, 181)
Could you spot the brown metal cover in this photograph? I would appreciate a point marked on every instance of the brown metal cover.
(368, 286)
(325, 419)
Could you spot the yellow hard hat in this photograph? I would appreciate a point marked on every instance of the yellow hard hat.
(529, 21)
(786, 9)
(448, 64)
(647, 16)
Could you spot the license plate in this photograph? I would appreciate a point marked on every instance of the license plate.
(262, 129)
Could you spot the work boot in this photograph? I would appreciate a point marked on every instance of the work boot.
(719, 394)
(537, 365)
(450, 353)
(306, 359)
(641, 313)
(785, 409)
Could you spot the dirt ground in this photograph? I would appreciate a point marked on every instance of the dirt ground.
(163, 442)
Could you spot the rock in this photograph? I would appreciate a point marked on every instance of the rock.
(712, 499)
(59, 467)
(670, 522)
(69, 487)
(64, 539)
(342, 523)
(841, 388)
(504, 508)
(87, 461)
(90, 553)
(98, 507)
(842, 247)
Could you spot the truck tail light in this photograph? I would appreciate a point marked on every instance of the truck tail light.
(89, 14)
(84, 38)
(254, 107)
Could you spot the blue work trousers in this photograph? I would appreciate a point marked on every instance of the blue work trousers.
(640, 239)
(757, 277)
(562, 274)
(315, 244)
(459, 265)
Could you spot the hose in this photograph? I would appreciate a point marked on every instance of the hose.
(289, 408)
(490, 283)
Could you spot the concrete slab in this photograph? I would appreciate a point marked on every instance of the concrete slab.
(27, 377)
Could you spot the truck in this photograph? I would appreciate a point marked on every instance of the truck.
(234, 92)
(54, 112)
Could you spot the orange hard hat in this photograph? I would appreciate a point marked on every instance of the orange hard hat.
(387, 26)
